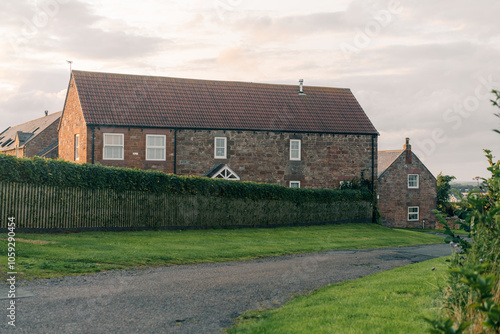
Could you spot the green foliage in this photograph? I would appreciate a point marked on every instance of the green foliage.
(474, 281)
(61, 173)
(443, 192)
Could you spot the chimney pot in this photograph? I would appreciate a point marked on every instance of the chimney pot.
(301, 86)
(46, 112)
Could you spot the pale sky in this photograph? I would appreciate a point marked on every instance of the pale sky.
(420, 69)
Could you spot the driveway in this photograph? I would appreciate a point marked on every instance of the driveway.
(197, 299)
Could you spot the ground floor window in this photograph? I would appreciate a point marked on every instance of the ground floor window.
(294, 184)
(413, 213)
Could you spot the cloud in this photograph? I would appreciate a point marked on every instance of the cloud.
(72, 28)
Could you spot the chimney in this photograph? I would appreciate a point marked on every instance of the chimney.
(407, 148)
(301, 87)
(46, 112)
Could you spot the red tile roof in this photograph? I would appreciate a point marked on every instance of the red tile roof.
(149, 101)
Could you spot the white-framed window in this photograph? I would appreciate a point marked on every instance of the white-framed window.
(220, 148)
(294, 184)
(156, 147)
(76, 147)
(295, 149)
(413, 181)
(113, 146)
(413, 213)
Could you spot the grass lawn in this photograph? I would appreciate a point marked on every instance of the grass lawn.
(394, 301)
(54, 255)
(459, 232)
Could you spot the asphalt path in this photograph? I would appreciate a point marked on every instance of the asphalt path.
(203, 298)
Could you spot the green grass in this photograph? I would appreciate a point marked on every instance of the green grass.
(54, 255)
(394, 301)
(459, 232)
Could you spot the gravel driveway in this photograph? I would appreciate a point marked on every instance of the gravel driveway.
(197, 299)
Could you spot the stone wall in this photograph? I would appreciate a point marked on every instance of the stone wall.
(261, 156)
(394, 196)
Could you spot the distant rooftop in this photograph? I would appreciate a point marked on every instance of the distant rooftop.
(26, 131)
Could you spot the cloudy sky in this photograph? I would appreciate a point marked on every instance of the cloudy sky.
(420, 69)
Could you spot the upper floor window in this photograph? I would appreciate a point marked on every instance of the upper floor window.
(76, 147)
(295, 149)
(113, 146)
(220, 148)
(413, 181)
(413, 213)
(294, 184)
(156, 147)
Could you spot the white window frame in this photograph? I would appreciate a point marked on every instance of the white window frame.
(296, 158)
(164, 147)
(76, 143)
(410, 183)
(294, 182)
(411, 213)
(224, 156)
(104, 145)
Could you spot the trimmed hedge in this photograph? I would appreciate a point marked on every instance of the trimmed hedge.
(65, 174)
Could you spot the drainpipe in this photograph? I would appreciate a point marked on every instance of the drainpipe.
(373, 179)
(93, 144)
(175, 151)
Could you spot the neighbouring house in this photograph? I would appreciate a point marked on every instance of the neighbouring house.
(290, 135)
(406, 189)
(38, 137)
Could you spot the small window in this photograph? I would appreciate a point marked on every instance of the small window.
(294, 184)
(295, 149)
(413, 181)
(156, 147)
(220, 150)
(413, 213)
(113, 146)
(76, 147)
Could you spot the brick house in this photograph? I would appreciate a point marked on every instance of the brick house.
(289, 135)
(406, 189)
(38, 137)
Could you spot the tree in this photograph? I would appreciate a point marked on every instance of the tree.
(443, 192)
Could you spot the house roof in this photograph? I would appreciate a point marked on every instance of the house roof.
(148, 101)
(386, 158)
(26, 131)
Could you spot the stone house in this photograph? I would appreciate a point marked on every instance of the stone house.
(406, 189)
(38, 137)
(290, 135)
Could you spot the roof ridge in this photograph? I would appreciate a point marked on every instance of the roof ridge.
(203, 80)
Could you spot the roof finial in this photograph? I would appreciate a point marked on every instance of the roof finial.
(69, 62)
(46, 112)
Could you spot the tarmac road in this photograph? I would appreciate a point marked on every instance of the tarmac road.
(197, 299)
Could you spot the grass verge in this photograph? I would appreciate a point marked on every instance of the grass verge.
(394, 301)
(55, 255)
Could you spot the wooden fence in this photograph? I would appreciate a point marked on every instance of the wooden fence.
(47, 208)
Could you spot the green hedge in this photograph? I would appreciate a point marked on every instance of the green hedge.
(61, 173)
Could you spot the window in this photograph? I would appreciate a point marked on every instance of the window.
(155, 147)
(413, 181)
(295, 149)
(220, 148)
(413, 213)
(113, 146)
(76, 147)
(294, 184)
